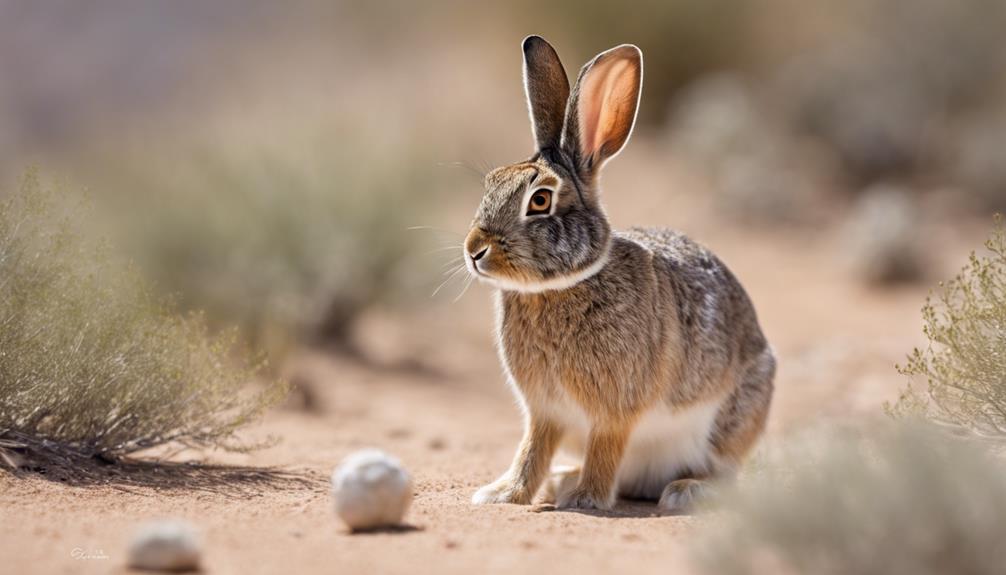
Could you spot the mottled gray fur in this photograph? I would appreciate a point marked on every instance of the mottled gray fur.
(610, 327)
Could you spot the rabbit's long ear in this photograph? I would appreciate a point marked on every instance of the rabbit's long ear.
(602, 108)
(547, 89)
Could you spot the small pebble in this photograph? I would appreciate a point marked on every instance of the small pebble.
(371, 490)
(165, 545)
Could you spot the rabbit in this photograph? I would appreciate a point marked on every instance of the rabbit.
(638, 351)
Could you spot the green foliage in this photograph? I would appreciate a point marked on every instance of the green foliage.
(965, 363)
(901, 501)
(91, 361)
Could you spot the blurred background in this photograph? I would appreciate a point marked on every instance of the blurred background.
(307, 170)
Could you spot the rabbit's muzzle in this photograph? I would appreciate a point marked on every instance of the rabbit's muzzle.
(486, 255)
(481, 248)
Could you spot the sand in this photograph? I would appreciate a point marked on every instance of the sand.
(432, 394)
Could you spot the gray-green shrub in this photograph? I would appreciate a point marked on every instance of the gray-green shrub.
(899, 501)
(91, 362)
(287, 235)
(964, 365)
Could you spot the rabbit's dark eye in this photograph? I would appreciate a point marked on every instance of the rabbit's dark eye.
(540, 202)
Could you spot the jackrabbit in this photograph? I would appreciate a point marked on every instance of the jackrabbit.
(637, 350)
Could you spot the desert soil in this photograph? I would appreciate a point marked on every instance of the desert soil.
(432, 394)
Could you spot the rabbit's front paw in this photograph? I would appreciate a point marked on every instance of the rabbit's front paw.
(503, 490)
(581, 498)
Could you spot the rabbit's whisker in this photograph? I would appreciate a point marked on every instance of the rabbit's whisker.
(433, 229)
(468, 284)
(454, 267)
(454, 274)
(452, 262)
(443, 249)
(467, 166)
(482, 165)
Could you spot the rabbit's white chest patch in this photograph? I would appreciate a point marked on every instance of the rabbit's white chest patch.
(663, 444)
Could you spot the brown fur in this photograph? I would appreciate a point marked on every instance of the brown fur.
(531, 462)
(610, 325)
(604, 452)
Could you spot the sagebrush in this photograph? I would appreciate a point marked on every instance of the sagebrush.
(905, 500)
(288, 235)
(964, 365)
(91, 361)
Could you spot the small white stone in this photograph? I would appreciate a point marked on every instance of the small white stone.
(165, 545)
(371, 490)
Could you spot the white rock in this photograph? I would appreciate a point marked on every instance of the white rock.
(165, 545)
(371, 489)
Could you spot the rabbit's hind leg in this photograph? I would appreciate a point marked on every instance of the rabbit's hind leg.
(742, 417)
(681, 495)
(738, 426)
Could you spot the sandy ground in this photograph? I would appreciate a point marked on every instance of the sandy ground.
(450, 419)
(452, 438)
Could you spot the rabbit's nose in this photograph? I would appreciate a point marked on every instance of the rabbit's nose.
(478, 255)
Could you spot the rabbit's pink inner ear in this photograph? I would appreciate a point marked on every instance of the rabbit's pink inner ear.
(609, 96)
